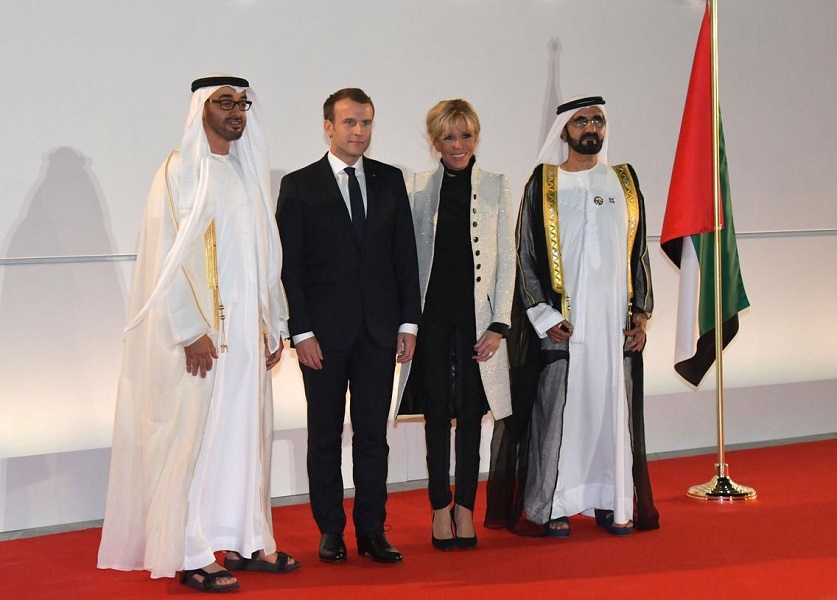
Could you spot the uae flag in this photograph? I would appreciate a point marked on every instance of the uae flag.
(688, 228)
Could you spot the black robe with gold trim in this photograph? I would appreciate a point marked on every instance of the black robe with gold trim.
(510, 443)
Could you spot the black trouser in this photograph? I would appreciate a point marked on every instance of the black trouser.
(452, 389)
(367, 370)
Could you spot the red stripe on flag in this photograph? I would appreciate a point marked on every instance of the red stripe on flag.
(689, 207)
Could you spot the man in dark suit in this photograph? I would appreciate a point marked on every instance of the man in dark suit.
(351, 276)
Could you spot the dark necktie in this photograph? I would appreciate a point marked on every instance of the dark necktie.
(356, 202)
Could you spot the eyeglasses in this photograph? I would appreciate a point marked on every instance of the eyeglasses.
(227, 104)
(597, 122)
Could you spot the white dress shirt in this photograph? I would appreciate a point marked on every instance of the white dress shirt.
(342, 178)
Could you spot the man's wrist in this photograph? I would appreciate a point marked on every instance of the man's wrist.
(302, 337)
(410, 328)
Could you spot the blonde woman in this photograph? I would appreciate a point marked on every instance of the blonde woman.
(464, 225)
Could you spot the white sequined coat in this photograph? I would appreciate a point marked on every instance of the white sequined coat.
(493, 246)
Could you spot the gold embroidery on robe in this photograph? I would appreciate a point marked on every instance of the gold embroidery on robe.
(623, 173)
(552, 233)
(210, 253)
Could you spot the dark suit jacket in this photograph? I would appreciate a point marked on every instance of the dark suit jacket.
(333, 282)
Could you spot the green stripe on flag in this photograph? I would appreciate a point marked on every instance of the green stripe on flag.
(733, 298)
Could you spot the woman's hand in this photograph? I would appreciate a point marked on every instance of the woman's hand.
(486, 347)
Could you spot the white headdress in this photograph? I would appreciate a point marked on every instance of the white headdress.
(554, 150)
(251, 152)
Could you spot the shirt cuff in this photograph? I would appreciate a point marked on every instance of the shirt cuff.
(543, 317)
(302, 337)
(408, 328)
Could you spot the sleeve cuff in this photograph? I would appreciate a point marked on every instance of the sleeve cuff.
(408, 328)
(500, 328)
(543, 317)
(302, 337)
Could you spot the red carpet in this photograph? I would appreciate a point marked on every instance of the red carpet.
(782, 545)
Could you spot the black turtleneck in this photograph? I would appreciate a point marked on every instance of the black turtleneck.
(450, 291)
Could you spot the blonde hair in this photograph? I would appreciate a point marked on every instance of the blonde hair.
(448, 113)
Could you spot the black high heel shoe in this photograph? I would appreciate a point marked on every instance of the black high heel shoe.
(443, 544)
(464, 543)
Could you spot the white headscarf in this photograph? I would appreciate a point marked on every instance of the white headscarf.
(251, 152)
(554, 150)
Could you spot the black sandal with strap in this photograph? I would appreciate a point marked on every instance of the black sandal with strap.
(283, 563)
(558, 532)
(604, 519)
(209, 583)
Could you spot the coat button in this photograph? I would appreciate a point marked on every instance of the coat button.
(474, 223)
(477, 253)
(479, 279)
(476, 239)
(474, 210)
(478, 266)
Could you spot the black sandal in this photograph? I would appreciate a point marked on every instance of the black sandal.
(561, 532)
(209, 583)
(254, 563)
(604, 519)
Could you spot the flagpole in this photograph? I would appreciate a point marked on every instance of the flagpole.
(720, 488)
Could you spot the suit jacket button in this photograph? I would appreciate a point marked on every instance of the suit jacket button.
(479, 279)
(475, 223)
(478, 266)
(476, 239)
(477, 253)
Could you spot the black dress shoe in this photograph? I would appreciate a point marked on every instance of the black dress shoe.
(332, 548)
(378, 548)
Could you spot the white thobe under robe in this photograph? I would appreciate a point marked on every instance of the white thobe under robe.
(225, 511)
(594, 465)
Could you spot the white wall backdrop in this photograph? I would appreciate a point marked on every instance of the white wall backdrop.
(95, 97)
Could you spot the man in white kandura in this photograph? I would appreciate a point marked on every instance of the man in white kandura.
(585, 285)
(192, 439)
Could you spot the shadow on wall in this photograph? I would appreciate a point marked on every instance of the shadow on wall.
(53, 489)
(61, 323)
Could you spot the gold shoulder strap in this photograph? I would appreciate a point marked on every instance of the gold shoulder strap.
(623, 173)
(552, 232)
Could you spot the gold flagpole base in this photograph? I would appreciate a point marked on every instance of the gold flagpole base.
(721, 488)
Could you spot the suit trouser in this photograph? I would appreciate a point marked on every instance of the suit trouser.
(452, 388)
(367, 371)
